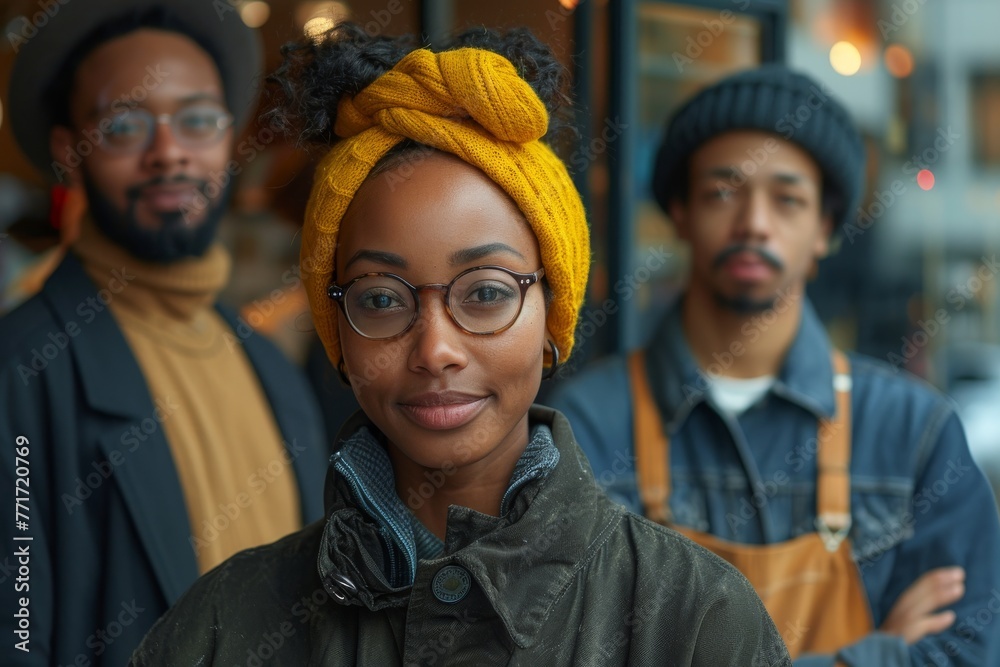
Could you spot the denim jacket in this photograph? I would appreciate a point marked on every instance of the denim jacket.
(918, 501)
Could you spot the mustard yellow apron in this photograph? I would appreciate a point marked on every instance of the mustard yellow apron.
(810, 585)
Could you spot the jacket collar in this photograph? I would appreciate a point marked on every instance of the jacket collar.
(678, 384)
(77, 303)
(555, 525)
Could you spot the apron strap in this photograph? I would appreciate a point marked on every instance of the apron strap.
(833, 484)
(652, 448)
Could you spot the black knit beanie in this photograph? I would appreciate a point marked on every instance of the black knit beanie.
(774, 99)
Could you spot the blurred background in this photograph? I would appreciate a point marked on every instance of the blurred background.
(914, 282)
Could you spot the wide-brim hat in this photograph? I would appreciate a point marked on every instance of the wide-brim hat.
(235, 47)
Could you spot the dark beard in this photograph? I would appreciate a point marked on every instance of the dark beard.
(741, 304)
(173, 240)
(744, 305)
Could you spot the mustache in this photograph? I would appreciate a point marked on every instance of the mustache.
(763, 253)
(135, 191)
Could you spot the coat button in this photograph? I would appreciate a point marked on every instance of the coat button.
(342, 587)
(451, 584)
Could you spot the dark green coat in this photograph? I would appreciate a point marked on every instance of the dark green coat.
(566, 578)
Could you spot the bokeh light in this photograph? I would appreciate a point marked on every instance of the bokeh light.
(845, 58)
(306, 11)
(925, 179)
(255, 14)
(317, 26)
(899, 61)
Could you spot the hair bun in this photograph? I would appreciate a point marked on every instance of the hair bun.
(316, 75)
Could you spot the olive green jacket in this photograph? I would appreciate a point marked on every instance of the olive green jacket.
(565, 577)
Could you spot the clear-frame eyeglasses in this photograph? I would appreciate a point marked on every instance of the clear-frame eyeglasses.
(132, 130)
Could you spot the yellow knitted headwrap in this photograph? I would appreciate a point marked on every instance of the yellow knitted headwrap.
(470, 103)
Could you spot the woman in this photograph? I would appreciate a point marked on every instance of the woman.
(447, 254)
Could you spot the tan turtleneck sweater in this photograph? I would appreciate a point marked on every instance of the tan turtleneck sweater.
(238, 483)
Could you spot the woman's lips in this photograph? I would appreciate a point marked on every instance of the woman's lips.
(443, 411)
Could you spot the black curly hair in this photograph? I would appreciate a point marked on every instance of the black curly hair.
(315, 75)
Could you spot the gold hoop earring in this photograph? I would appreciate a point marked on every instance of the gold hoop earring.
(554, 368)
(342, 372)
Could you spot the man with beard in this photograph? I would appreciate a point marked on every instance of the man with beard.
(842, 490)
(155, 434)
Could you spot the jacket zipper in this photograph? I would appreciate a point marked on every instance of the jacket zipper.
(373, 508)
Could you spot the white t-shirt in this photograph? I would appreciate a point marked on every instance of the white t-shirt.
(734, 395)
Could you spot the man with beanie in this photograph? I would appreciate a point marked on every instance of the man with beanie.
(150, 435)
(843, 490)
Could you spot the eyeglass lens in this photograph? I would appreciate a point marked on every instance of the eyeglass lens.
(193, 126)
(481, 301)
